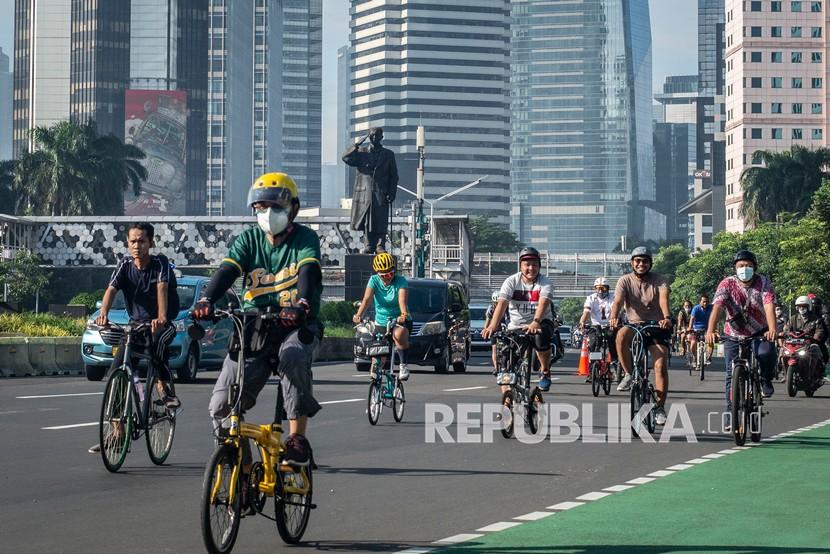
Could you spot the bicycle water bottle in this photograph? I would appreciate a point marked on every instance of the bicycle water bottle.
(138, 388)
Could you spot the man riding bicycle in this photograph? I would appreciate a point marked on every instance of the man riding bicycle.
(529, 297)
(597, 309)
(645, 296)
(749, 302)
(698, 321)
(389, 291)
(280, 262)
(682, 326)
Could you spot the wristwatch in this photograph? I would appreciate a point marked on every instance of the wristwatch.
(537, 320)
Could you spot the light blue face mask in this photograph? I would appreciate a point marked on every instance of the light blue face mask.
(745, 273)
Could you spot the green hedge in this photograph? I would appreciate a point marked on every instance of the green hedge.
(88, 299)
(337, 313)
(42, 325)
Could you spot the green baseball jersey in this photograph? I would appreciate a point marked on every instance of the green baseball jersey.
(271, 272)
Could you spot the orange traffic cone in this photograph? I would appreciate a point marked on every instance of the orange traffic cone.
(583, 359)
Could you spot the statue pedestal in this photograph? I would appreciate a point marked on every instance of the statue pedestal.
(358, 271)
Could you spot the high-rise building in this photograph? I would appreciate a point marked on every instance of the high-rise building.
(582, 145)
(6, 95)
(100, 63)
(42, 41)
(344, 136)
(444, 66)
(169, 52)
(264, 99)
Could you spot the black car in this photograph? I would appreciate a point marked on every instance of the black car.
(440, 327)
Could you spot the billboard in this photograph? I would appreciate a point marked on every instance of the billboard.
(156, 122)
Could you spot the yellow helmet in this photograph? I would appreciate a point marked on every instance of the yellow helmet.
(273, 187)
(383, 262)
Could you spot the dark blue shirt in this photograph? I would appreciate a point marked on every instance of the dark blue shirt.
(700, 317)
(140, 287)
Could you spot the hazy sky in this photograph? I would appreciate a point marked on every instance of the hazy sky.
(673, 28)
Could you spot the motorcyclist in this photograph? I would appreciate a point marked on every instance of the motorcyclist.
(807, 322)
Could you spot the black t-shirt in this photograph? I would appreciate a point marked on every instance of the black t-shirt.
(140, 287)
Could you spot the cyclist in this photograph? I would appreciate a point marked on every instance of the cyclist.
(149, 287)
(808, 322)
(645, 296)
(597, 309)
(488, 316)
(280, 262)
(682, 324)
(389, 292)
(529, 297)
(749, 302)
(698, 320)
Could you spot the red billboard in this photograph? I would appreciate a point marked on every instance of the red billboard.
(156, 122)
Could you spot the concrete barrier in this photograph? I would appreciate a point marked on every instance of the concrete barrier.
(334, 349)
(42, 356)
(68, 355)
(14, 357)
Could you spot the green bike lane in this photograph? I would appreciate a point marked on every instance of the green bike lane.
(773, 497)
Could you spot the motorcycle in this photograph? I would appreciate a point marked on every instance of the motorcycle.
(805, 366)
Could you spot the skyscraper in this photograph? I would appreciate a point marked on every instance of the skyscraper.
(264, 99)
(6, 95)
(444, 66)
(582, 144)
(776, 85)
(343, 115)
(169, 52)
(42, 41)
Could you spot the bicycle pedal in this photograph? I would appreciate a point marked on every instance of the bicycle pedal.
(312, 506)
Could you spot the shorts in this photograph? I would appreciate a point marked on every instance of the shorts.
(658, 337)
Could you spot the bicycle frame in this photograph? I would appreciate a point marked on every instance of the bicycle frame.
(126, 365)
(746, 358)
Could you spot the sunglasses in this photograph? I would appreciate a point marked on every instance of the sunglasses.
(641, 261)
(386, 274)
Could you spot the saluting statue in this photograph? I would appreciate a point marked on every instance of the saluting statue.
(375, 188)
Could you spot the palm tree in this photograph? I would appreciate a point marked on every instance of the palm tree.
(785, 183)
(8, 198)
(117, 169)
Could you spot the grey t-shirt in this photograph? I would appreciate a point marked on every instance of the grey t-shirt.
(523, 299)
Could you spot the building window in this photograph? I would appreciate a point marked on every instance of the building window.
(776, 57)
(755, 6)
(757, 158)
(815, 7)
(755, 82)
(817, 82)
(755, 32)
(756, 133)
(775, 6)
(815, 108)
(776, 32)
(796, 82)
(797, 134)
(795, 57)
(815, 57)
(776, 82)
(797, 108)
(815, 32)
(755, 57)
(756, 107)
(777, 133)
(795, 32)
(817, 134)
(795, 6)
(776, 107)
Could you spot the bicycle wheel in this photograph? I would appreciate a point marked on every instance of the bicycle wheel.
(534, 412)
(221, 501)
(635, 403)
(161, 424)
(649, 397)
(756, 414)
(739, 408)
(398, 401)
(375, 402)
(596, 382)
(292, 503)
(607, 378)
(115, 424)
(701, 358)
(507, 423)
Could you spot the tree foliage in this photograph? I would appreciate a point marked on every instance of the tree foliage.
(23, 275)
(493, 237)
(669, 258)
(570, 309)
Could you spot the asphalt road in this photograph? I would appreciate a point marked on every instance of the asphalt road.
(378, 489)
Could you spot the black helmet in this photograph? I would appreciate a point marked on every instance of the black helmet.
(741, 255)
(528, 253)
(642, 252)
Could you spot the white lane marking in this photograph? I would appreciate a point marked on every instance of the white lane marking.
(416, 551)
(618, 488)
(641, 480)
(341, 401)
(740, 448)
(463, 537)
(57, 427)
(466, 388)
(38, 410)
(60, 395)
(695, 461)
(714, 456)
(500, 526)
(679, 467)
(565, 505)
(533, 516)
(728, 451)
(593, 495)
(660, 473)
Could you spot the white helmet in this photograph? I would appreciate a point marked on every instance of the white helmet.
(803, 301)
(495, 296)
(600, 282)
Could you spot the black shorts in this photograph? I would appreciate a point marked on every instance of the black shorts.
(658, 337)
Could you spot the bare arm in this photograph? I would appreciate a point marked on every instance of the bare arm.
(615, 309)
(772, 326)
(403, 296)
(498, 313)
(106, 304)
(713, 323)
(665, 323)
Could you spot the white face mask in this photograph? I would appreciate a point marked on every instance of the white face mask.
(802, 310)
(273, 221)
(745, 273)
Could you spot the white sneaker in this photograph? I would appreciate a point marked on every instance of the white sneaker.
(94, 448)
(625, 384)
(660, 416)
(403, 374)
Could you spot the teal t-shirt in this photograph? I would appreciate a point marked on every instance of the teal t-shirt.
(386, 297)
